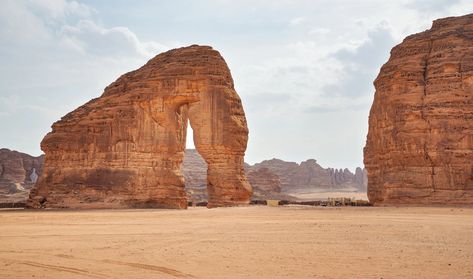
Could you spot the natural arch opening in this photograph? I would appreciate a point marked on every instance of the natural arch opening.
(194, 169)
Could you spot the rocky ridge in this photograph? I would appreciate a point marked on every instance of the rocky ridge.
(277, 179)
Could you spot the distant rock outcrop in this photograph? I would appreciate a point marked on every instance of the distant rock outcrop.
(194, 169)
(419, 148)
(310, 176)
(266, 184)
(276, 178)
(18, 173)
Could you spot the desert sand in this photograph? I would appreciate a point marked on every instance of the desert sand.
(311, 196)
(244, 242)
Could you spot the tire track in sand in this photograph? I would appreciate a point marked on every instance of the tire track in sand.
(162, 269)
(73, 270)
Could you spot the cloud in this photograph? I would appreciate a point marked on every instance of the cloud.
(60, 9)
(88, 37)
(361, 64)
(296, 21)
(18, 24)
(319, 31)
(321, 78)
(425, 6)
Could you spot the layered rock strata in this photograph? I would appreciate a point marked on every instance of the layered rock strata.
(309, 176)
(125, 148)
(18, 173)
(419, 147)
(266, 184)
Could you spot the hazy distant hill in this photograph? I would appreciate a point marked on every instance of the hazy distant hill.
(277, 178)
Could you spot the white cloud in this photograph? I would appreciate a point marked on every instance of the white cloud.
(60, 9)
(319, 31)
(296, 21)
(18, 24)
(88, 37)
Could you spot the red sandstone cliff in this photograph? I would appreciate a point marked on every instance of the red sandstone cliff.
(419, 148)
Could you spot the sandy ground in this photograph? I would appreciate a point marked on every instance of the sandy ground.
(246, 242)
(325, 195)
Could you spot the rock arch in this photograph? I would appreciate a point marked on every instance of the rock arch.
(124, 149)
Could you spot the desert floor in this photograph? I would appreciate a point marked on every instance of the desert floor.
(245, 242)
(325, 195)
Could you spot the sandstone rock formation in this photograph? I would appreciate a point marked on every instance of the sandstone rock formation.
(265, 179)
(419, 148)
(310, 176)
(18, 173)
(266, 184)
(124, 149)
(361, 178)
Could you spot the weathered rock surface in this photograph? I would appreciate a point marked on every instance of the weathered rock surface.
(265, 180)
(266, 184)
(18, 173)
(419, 148)
(124, 149)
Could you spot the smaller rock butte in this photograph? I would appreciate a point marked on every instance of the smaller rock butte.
(17, 174)
(266, 182)
(419, 148)
(124, 149)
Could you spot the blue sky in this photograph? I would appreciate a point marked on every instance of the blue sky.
(304, 69)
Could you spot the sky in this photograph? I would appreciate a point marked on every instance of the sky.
(304, 69)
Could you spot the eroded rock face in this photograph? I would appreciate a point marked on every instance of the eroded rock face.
(309, 176)
(124, 149)
(419, 148)
(18, 173)
(264, 182)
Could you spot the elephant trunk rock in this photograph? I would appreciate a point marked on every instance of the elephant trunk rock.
(125, 148)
